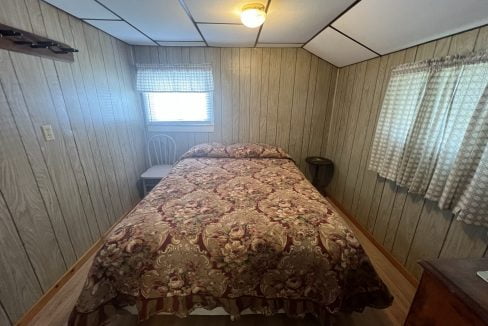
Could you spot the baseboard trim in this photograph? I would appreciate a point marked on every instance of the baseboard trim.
(409, 276)
(51, 292)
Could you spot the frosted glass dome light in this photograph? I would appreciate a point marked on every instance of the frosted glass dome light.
(253, 15)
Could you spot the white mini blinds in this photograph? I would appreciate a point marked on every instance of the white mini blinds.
(177, 97)
(432, 133)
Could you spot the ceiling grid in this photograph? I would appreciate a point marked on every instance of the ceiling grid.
(121, 19)
(341, 32)
(188, 13)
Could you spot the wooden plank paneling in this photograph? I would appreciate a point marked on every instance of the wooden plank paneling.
(329, 110)
(235, 73)
(285, 97)
(69, 191)
(88, 104)
(263, 111)
(130, 174)
(410, 227)
(19, 286)
(35, 90)
(197, 55)
(361, 195)
(17, 181)
(336, 115)
(57, 197)
(429, 236)
(94, 117)
(482, 39)
(244, 91)
(24, 199)
(358, 140)
(226, 91)
(352, 118)
(36, 160)
(297, 119)
(134, 116)
(108, 105)
(38, 19)
(340, 120)
(268, 95)
(73, 122)
(325, 78)
(4, 319)
(213, 56)
(273, 94)
(255, 94)
(312, 83)
(132, 140)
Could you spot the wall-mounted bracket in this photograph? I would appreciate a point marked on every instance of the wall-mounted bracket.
(17, 40)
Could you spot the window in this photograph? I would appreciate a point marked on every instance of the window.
(177, 97)
(432, 133)
(178, 108)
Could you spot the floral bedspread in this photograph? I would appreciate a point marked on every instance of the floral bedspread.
(236, 227)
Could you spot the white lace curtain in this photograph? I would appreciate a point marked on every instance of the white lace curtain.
(432, 133)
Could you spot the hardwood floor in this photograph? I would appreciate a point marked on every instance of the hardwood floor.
(57, 310)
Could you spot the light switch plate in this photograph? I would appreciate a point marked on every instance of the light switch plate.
(47, 132)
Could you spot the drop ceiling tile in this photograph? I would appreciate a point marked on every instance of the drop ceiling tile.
(83, 9)
(386, 26)
(229, 35)
(218, 11)
(122, 31)
(291, 21)
(279, 45)
(338, 49)
(160, 20)
(181, 43)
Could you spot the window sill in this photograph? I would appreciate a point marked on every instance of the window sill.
(182, 128)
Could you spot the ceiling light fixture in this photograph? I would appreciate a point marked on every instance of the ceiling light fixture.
(253, 15)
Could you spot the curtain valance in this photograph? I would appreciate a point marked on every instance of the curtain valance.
(174, 78)
(442, 63)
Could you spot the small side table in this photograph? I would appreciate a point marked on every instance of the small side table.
(317, 162)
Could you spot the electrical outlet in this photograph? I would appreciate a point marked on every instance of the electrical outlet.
(47, 132)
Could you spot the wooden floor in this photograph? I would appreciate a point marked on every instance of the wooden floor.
(56, 312)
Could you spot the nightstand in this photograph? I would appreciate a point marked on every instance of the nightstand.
(317, 163)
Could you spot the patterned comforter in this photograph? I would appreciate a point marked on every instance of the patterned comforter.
(236, 227)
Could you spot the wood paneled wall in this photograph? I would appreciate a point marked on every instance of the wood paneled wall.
(280, 96)
(58, 197)
(410, 227)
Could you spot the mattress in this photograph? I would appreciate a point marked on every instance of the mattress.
(234, 227)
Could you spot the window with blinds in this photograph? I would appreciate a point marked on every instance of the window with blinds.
(177, 97)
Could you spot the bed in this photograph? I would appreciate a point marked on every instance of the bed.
(237, 227)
